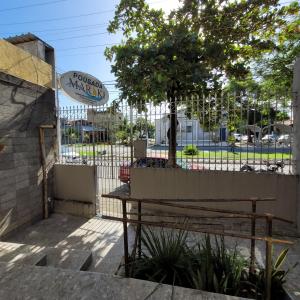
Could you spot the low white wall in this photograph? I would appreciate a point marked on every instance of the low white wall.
(75, 182)
(181, 184)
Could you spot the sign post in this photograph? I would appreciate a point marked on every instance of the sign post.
(84, 88)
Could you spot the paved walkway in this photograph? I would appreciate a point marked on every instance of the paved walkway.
(103, 237)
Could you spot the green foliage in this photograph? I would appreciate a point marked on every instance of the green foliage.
(190, 150)
(143, 128)
(193, 49)
(86, 138)
(122, 136)
(71, 134)
(167, 257)
(257, 280)
(230, 139)
(140, 129)
(215, 268)
(164, 257)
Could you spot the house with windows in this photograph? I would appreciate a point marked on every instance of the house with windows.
(189, 131)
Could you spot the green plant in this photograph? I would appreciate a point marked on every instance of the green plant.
(208, 265)
(163, 258)
(190, 150)
(230, 139)
(216, 269)
(278, 277)
(122, 136)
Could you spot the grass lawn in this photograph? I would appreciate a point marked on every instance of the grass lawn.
(236, 156)
(86, 153)
(219, 154)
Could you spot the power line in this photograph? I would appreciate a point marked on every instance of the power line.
(84, 47)
(32, 5)
(59, 30)
(57, 19)
(78, 54)
(77, 36)
(75, 16)
(68, 17)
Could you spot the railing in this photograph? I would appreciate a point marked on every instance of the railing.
(217, 131)
(253, 216)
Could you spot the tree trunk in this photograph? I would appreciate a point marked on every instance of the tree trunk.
(173, 131)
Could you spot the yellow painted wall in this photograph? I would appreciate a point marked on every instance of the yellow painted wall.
(21, 64)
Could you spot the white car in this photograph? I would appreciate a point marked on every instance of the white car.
(244, 138)
(70, 156)
(284, 139)
(240, 138)
(237, 137)
(269, 138)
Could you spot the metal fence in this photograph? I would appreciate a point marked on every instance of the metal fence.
(228, 132)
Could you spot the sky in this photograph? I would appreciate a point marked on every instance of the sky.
(75, 28)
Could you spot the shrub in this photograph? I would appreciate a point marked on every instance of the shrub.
(257, 280)
(190, 150)
(122, 136)
(216, 269)
(230, 139)
(164, 258)
(168, 258)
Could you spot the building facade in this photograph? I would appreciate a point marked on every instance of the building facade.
(189, 131)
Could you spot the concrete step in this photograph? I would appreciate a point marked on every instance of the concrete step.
(22, 254)
(33, 282)
(77, 260)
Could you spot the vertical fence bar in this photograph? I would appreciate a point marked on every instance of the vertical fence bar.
(131, 134)
(139, 229)
(268, 269)
(94, 148)
(253, 225)
(125, 237)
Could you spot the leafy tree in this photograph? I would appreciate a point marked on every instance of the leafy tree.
(123, 132)
(122, 136)
(86, 137)
(275, 70)
(70, 133)
(191, 50)
(142, 128)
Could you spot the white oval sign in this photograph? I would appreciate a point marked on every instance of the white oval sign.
(84, 88)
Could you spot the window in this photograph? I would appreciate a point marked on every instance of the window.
(189, 128)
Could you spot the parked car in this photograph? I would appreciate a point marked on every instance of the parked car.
(269, 138)
(244, 139)
(153, 162)
(240, 137)
(149, 162)
(284, 139)
(70, 156)
(237, 137)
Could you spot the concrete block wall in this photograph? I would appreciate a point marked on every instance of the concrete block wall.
(23, 107)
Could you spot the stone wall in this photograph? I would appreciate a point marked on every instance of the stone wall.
(23, 108)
